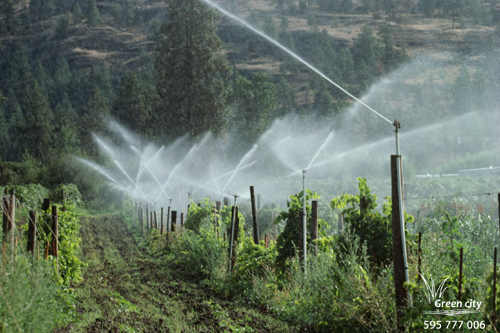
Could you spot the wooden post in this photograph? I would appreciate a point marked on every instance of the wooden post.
(141, 219)
(498, 213)
(151, 221)
(156, 220)
(12, 215)
(341, 223)
(182, 220)
(174, 219)
(397, 246)
(494, 282)
(314, 226)
(55, 236)
(147, 216)
(419, 278)
(32, 231)
(254, 217)
(235, 237)
(460, 274)
(300, 241)
(161, 222)
(46, 204)
(265, 240)
(5, 216)
(169, 224)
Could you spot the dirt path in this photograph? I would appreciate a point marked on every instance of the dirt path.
(125, 289)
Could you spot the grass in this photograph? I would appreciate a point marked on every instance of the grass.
(128, 288)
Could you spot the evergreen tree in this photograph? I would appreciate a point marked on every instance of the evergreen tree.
(38, 126)
(124, 13)
(463, 91)
(192, 74)
(4, 134)
(255, 100)
(365, 54)
(100, 77)
(285, 24)
(93, 16)
(76, 14)
(16, 73)
(62, 28)
(16, 124)
(286, 97)
(41, 10)
(42, 77)
(135, 104)
(10, 23)
(269, 27)
(66, 139)
(95, 120)
(4, 131)
(62, 80)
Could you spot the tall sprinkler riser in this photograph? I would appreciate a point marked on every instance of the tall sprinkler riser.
(304, 219)
(397, 126)
(232, 233)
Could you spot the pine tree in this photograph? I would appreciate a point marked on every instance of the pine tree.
(42, 77)
(65, 130)
(41, 10)
(192, 74)
(135, 104)
(38, 127)
(95, 120)
(62, 80)
(93, 15)
(4, 131)
(255, 100)
(76, 14)
(17, 71)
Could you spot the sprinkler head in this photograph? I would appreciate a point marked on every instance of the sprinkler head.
(397, 124)
(304, 171)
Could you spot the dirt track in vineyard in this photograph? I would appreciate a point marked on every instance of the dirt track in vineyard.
(126, 289)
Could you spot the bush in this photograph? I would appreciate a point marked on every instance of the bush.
(31, 195)
(30, 301)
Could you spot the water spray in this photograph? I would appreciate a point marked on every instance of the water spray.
(290, 52)
(232, 233)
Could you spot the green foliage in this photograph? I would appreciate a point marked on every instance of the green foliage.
(193, 92)
(41, 10)
(38, 126)
(73, 195)
(77, 14)
(69, 242)
(135, 104)
(287, 241)
(93, 15)
(369, 225)
(30, 195)
(62, 28)
(200, 254)
(255, 101)
(200, 217)
(30, 301)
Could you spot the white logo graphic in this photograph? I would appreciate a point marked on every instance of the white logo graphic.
(471, 306)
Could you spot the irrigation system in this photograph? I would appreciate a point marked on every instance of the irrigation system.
(145, 163)
(396, 124)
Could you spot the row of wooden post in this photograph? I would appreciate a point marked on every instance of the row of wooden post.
(152, 219)
(8, 224)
